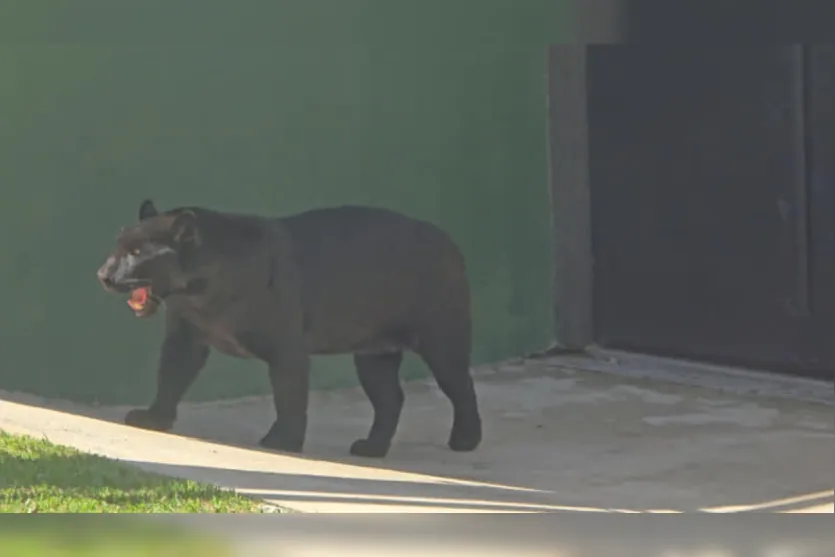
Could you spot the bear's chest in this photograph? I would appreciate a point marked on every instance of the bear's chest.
(227, 341)
(222, 330)
(231, 347)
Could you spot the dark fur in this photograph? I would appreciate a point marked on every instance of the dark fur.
(359, 280)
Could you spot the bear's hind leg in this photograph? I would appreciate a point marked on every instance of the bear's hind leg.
(447, 355)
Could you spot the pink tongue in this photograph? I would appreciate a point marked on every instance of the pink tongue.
(138, 298)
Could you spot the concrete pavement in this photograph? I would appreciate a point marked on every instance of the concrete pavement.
(556, 439)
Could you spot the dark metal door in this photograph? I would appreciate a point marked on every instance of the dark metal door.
(711, 200)
(820, 78)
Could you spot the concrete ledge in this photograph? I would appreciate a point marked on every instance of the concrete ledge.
(683, 372)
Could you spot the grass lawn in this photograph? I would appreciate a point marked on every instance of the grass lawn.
(68, 536)
(37, 476)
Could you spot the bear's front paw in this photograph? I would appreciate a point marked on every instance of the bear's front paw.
(367, 448)
(145, 419)
(278, 439)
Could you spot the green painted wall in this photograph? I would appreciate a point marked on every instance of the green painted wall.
(437, 110)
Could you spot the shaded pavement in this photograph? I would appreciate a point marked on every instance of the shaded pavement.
(556, 439)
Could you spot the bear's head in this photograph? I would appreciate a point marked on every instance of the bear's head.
(151, 257)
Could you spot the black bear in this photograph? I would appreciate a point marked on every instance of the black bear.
(344, 280)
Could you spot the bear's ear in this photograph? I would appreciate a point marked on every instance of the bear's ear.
(184, 229)
(147, 210)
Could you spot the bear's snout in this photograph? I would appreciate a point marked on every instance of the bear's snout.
(108, 274)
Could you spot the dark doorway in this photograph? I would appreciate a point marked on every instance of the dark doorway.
(710, 195)
(821, 98)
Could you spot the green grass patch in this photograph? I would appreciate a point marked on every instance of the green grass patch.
(65, 536)
(37, 476)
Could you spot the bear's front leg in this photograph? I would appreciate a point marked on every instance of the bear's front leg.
(182, 358)
(289, 378)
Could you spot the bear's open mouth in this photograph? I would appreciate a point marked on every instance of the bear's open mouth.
(142, 301)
